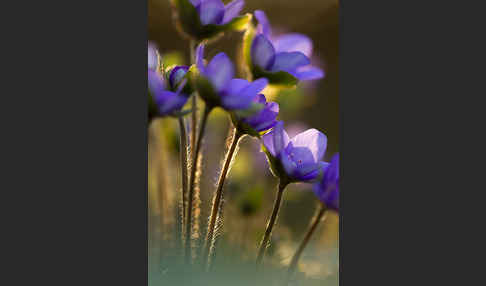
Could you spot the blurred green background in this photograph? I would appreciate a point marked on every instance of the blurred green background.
(250, 187)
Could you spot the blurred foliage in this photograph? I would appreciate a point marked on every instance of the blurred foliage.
(173, 58)
(251, 201)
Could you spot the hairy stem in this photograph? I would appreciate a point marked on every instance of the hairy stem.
(194, 121)
(210, 237)
(192, 60)
(192, 49)
(195, 155)
(303, 244)
(183, 158)
(271, 222)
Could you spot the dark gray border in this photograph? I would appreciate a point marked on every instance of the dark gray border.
(74, 185)
(404, 82)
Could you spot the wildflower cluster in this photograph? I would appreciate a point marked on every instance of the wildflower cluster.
(271, 60)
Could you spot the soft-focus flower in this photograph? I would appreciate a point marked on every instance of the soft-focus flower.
(327, 189)
(177, 76)
(260, 121)
(167, 102)
(204, 19)
(298, 159)
(217, 86)
(284, 59)
(215, 12)
(168, 90)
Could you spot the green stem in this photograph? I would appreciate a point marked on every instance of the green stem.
(303, 244)
(210, 237)
(271, 222)
(183, 158)
(195, 156)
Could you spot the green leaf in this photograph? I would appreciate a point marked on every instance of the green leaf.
(281, 78)
(275, 166)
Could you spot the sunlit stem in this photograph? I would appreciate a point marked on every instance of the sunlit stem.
(218, 194)
(188, 205)
(271, 222)
(183, 159)
(303, 244)
(192, 49)
(192, 180)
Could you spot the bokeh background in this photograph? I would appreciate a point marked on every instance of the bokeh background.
(250, 187)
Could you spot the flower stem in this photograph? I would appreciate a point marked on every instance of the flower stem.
(303, 244)
(195, 155)
(194, 121)
(271, 222)
(183, 158)
(192, 59)
(218, 194)
(192, 52)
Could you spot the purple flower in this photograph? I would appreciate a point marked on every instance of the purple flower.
(327, 189)
(288, 53)
(215, 12)
(298, 159)
(204, 19)
(153, 56)
(176, 76)
(218, 87)
(260, 121)
(167, 102)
